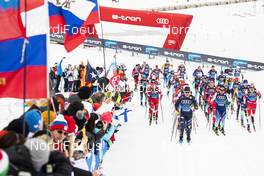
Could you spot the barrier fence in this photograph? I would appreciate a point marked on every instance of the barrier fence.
(156, 51)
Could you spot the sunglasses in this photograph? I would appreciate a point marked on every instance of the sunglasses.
(187, 92)
(62, 132)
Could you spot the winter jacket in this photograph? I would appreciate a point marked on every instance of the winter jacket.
(20, 160)
(59, 69)
(61, 166)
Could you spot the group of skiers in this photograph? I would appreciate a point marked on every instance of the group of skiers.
(217, 94)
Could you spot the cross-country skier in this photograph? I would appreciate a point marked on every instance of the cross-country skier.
(221, 79)
(181, 72)
(184, 107)
(251, 103)
(241, 101)
(208, 95)
(170, 78)
(143, 89)
(155, 74)
(154, 97)
(145, 70)
(237, 72)
(234, 93)
(212, 73)
(198, 75)
(135, 75)
(165, 70)
(221, 101)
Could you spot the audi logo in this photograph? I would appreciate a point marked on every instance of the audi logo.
(162, 21)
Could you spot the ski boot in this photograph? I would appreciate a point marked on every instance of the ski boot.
(141, 103)
(181, 140)
(222, 131)
(150, 121)
(242, 123)
(216, 131)
(248, 128)
(254, 128)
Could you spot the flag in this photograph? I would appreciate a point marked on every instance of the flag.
(90, 73)
(115, 80)
(75, 19)
(10, 18)
(23, 49)
(112, 70)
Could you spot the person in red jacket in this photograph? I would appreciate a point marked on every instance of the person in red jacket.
(154, 96)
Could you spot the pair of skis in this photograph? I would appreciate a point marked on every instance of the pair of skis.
(176, 124)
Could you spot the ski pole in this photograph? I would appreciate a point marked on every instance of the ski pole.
(146, 109)
(194, 125)
(259, 113)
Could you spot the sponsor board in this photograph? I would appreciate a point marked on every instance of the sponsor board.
(174, 54)
(152, 51)
(240, 63)
(93, 42)
(126, 18)
(195, 57)
(110, 44)
(162, 21)
(131, 47)
(217, 60)
(255, 66)
(56, 37)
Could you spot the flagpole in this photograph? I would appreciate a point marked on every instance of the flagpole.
(102, 33)
(24, 61)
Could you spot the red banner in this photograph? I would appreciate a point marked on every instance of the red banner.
(177, 23)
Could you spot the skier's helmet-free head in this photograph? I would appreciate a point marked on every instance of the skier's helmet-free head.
(156, 66)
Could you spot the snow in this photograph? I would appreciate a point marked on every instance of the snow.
(147, 150)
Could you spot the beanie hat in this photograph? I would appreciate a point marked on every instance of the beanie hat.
(107, 117)
(96, 106)
(71, 124)
(187, 89)
(39, 152)
(46, 119)
(33, 119)
(59, 123)
(4, 163)
(2, 133)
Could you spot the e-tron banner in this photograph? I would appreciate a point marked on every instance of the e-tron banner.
(156, 51)
(178, 24)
